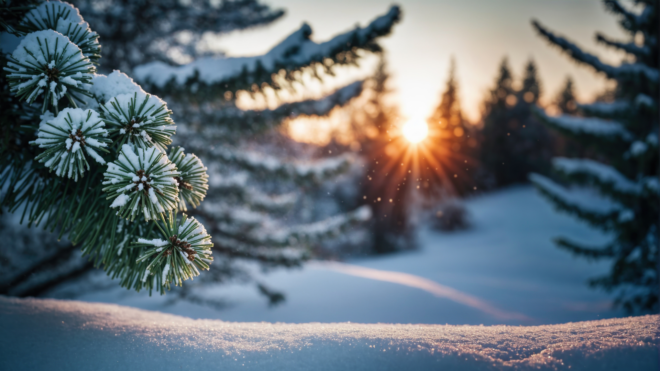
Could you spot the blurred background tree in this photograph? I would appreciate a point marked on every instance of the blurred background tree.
(513, 142)
(448, 166)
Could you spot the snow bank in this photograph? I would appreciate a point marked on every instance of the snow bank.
(69, 335)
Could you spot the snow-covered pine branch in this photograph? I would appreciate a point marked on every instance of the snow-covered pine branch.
(236, 187)
(628, 47)
(136, 33)
(192, 180)
(637, 71)
(587, 127)
(47, 63)
(598, 211)
(107, 127)
(65, 19)
(139, 119)
(298, 171)
(225, 123)
(142, 182)
(294, 53)
(183, 251)
(68, 138)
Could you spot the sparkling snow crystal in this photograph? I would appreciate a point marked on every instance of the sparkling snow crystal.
(68, 137)
(142, 182)
(140, 119)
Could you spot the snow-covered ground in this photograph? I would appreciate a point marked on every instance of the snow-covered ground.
(505, 270)
(68, 335)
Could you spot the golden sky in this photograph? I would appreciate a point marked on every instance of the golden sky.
(478, 33)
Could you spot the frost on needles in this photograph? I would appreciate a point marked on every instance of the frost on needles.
(95, 168)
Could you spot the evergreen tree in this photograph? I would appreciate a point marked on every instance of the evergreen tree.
(385, 183)
(451, 163)
(252, 178)
(565, 101)
(494, 143)
(514, 142)
(624, 134)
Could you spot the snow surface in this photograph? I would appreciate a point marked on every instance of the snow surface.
(70, 335)
(505, 270)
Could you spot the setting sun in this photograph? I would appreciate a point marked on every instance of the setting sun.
(415, 130)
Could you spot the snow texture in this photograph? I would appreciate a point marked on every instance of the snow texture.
(69, 335)
(46, 11)
(294, 51)
(104, 88)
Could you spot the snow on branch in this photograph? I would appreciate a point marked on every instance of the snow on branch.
(221, 122)
(580, 126)
(299, 171)
(629, 21)
(619, 109)
(296, 52)
(236, 186)
(583, 202)
(630, 47)
(590, 172)
(606, 109)
(575, 52)
(257, 230)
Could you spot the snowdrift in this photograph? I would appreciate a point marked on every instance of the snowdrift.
(69, 335)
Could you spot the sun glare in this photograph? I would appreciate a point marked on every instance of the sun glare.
(415, 130)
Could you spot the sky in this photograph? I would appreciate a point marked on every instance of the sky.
(477, 33)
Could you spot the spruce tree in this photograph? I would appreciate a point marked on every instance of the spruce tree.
(624, 135)
(385, 183)
(493, 148)
(565, 102)
(450, 163)
(254, 177)
(514, 142)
